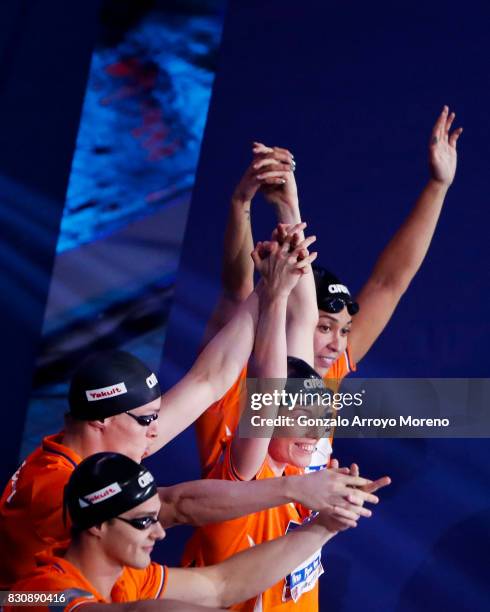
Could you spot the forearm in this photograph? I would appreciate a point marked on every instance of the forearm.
(266, 564)
(237, 275)
(402, 257)
(204, 502)
(302, 311)
(238, 271)
(270, 349)
(223, 358)
(268, 367)
(214, 372)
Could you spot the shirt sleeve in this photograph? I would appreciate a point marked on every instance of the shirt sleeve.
(151, 582)
(47, 506)
(225, 469)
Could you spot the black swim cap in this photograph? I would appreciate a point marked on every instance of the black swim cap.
(331, 294)
(104, 486)
(109, 383)
(303, 378)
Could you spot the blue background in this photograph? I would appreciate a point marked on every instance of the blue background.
(353, 89)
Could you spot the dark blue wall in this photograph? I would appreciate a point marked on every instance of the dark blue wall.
(353, 90)
(45, 50)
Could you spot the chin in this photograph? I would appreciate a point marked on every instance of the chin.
(320, 368)
(298, 460)
(140, 561)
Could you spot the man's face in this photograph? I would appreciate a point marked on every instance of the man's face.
(123, 434)
(330, 339)
(125, 544)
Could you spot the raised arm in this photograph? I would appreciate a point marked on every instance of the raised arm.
(223, 358)
(302, 311)
(402, 257)
(237, 276)
(270, 352)
(215, 370)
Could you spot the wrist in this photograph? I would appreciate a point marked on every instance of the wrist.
(323, 532)
(272, 296)
(438, 186)
(288, 488)
(239, 201)
(288, 212)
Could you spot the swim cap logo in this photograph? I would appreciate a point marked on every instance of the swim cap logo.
(100, 495)
(145, 479)
(338, 289)
(152, 381)
(314, 383)
(94, 395)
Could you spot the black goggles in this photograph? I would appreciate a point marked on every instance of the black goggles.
(336, 304)
(144, 420)
(140, 523)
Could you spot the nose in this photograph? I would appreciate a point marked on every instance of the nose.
(334, 343)
(152, 429)
(158, 532)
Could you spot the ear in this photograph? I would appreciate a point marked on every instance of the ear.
(97, 530)
(101, 424)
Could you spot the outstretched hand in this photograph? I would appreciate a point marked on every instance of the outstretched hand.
(347, 512)
(442, 148)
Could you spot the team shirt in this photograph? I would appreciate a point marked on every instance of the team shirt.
(58, 576)
(215, 543)
(218, 424)
(212, 544)
(31, 508)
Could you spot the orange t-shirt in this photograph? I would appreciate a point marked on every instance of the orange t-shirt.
(60, 577)
(217, 425)
(31, 509)
(215, 543)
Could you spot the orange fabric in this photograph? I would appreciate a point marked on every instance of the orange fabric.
(57, 575)
(339, 370)
(215, 543)
(31, 508)
(336, 373)
(217, 425)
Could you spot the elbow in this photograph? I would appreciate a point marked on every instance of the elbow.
(224, 593)
(237, 293)
(187, 511)
(186, 514)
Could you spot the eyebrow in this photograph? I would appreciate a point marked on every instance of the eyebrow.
(333, 319)
(143, 514)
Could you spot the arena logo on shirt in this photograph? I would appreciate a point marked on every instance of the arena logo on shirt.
(100, 495)
(94, 395)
